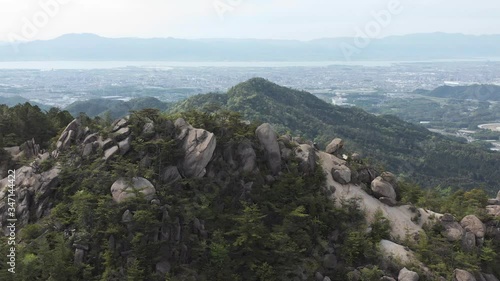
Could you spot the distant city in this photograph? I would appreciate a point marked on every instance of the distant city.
(170, 82)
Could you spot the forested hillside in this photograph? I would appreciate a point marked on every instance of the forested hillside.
(471, 92)
(208, 196)
(114, 108)
(410, 150)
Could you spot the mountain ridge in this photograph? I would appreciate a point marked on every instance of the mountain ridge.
(405, 47)
(405, 148)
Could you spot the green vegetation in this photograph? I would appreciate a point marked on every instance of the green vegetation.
(24, 122)
(472, 92)
(274, 232)
(114, 108)
(410, 150)
(226, 226)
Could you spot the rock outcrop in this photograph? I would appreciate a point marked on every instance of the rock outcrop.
(307, 157)
(268, 139)
(247, 156)
(341, 174)
(334, 146)
(33, 191)
(462, 275)
(473, 224)
(123, 189)
(453, 231)
(199, 146)
(407, 275)
(382, 188)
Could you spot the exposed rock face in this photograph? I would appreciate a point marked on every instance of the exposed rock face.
(388, 201)
(366, 175)
(493, 210)
(268, 138)
(305, 153)
(68, 136)
(170, 174)
(126, 188)
(124, 145)
(469, 242)
(148, 130)
(247, 156)
(407, 275)
(489, 277)
(33, 192)
(30, 149)
(121, 134)
(334, 146)
(382, 188)
(462, 275)
(111, 152)
(341, 174)
(199, 146)
(391, 249)
(473, 224)
(120, 123)
(453, 231)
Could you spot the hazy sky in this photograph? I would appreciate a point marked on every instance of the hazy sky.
(280, 19)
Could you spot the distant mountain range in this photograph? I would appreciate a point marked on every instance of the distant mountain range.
(408, 47)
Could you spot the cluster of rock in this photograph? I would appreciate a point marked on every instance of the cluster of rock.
(27, 150)
(493, 207)
(33, 192)
(383, 186)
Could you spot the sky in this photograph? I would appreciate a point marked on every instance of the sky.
(28, 20)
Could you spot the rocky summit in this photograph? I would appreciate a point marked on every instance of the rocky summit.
(208, 196)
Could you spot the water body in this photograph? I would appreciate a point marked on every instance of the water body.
(166, 65)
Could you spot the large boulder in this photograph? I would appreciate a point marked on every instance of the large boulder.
(33, 191)
(382, 188)
(341, 174)
(268, 138)
(462, 275)
(307, 157)
(111, 152)
(199, 146)
(120, 123)
(68, 135)
(246, 155)
(334, 146)
(393, 251)
(407, 275)
(123, 189)
(473, 224)
(121, 134)
(125, 145)
(366, 175)
(452, 230)
(469, 242)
